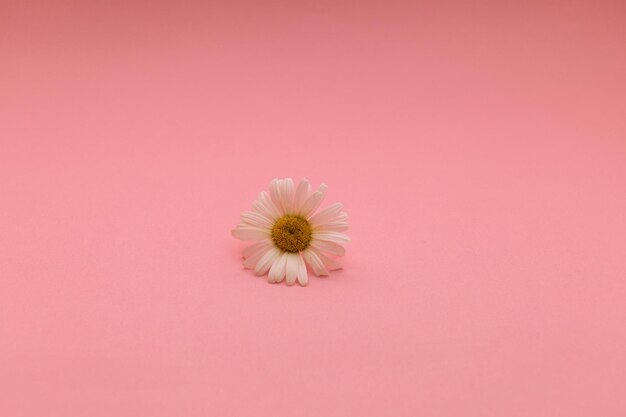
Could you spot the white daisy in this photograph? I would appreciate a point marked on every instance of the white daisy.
(290, 234)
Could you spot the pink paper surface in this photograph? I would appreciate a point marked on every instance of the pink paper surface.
(479, 149)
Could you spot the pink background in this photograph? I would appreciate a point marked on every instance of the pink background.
(480, 150)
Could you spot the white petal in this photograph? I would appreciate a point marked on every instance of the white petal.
(332, 227)
(286, 195)
(267, 261)
(316, 264)
(267, 200)
(265, 206)
(251, 261)
(255, 252)
(303, 276)
(326, 215)
(275, 196)
(328, 247)
(256, 219)
(247, 232)
(292, 267)
(330, 263)
(341, 217)
(261, 245)
(277, 271)
(313, 202)
(331, 237)
(302, 193)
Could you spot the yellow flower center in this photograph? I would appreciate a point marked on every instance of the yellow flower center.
(291, 233)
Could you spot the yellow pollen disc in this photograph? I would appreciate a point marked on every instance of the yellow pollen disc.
(291, 233)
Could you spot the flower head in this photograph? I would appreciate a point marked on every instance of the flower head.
(290, 233)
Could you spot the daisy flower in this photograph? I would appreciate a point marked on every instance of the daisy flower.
(290, 233)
